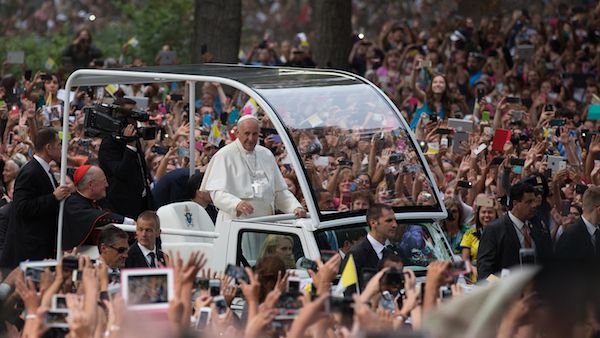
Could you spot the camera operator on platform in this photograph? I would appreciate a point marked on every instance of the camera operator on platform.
(122, 160)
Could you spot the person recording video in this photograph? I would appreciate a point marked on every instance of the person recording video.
(122, 159)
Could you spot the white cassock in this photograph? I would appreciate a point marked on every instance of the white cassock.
(235, 174)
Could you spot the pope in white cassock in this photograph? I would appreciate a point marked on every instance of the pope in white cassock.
(244, 180)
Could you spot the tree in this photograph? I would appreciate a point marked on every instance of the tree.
(333, 30)
(218, 28)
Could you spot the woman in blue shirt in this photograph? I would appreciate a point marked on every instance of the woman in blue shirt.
(435, 99)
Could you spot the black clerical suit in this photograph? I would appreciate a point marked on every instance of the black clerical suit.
(127, 177)
(136, 259)
(499, 246)
(81, 217)
(576, 244)
(33, 220)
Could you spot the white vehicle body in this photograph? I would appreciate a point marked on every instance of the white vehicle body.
(187, 227)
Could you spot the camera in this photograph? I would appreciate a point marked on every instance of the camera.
(396, 158)
(110, 120)
(393, 277)
(313, 149)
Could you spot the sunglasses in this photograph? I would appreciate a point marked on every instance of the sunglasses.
(120, 250)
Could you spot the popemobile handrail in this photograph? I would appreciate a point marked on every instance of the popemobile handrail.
(167, 231)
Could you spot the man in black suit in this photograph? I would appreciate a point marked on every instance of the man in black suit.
(124, 164)
(581, 241)
(144, 253)
(503, 239)
(369, 251)
(33, 219)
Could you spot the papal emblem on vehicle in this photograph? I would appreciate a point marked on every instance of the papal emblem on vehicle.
(188, 216)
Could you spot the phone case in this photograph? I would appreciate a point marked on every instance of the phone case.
(501, 136)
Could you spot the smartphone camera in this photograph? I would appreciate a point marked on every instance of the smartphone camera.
(70, 263)
(221, 305)
(465, 184)
(214, 287)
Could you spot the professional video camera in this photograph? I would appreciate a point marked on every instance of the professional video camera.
(110, 120)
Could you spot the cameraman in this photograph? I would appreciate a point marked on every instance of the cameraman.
(122, 159)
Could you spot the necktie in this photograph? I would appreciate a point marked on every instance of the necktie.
(152, 262)
(526, 236)
(54, 182)
(597, 241)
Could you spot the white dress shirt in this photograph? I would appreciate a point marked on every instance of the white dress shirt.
(146, 252)
(46, 167)
(591, 228)
(378, 247)
(519, 227)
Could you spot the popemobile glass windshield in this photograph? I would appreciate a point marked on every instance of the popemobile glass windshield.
(344, 128)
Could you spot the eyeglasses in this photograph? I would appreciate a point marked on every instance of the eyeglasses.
(119, 250)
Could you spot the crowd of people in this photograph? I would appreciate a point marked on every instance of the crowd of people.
(505, 111)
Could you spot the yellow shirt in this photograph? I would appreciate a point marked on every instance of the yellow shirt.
(470, 241)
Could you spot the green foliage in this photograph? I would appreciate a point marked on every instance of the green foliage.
(154, 25)
(158, 23)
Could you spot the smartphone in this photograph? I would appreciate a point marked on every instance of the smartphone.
(214, 286)
(479, 149)
(183, 152)
(445, 292)
(343, 162)
(517, 161)
(237, 272)
(548, 107)
(276, 139)
(497, 160)
(513, 100)
(203, 318)
(527, 256)
(176, 97)
(517, 115)
(557, 122)
(46, 77)
(458, 139)
(159, 150)
(485, 116)
(565, 207)
(459, 268)
(411, 168)
(293, 285)
(480, 93)
(27, 75)
(460, 125)
(59, 302)
(221, 305)
(443, 131)
(465, 184)
(10, 138)
(57, 318)
(70, 263)
(580, 188)
(201, 283)
(308, 264)
(501, 136)
(556, 163)
(288, 306)
(484, 201)
(426, 64)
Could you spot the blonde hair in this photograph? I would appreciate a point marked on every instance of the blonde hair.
(269, 246)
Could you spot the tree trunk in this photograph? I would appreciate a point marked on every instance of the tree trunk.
(218, 27)
(333, 30)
